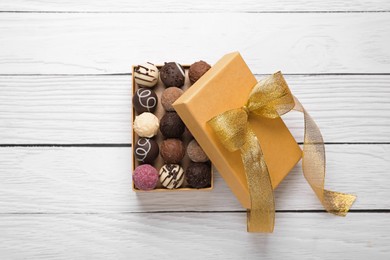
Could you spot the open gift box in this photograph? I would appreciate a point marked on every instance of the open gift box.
(236, 120)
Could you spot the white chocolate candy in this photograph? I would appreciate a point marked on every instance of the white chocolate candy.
(146, 125)
(171, 176)
(146, 75)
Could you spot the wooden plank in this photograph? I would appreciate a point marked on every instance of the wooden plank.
(190, 6)
(90, 180)
(98, 43)
(96, 109)
(193, 236)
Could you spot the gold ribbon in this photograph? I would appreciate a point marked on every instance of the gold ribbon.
(271, 98)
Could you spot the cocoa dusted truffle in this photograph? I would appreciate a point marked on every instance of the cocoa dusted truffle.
(171, 176)
(198, 175)
(195, 152)
(171, 126)
(172, 150)
(197, 70)
(169, 96)
(145, 177)
(146, 75)
(146, 150)
(145, 100)
(172, 74)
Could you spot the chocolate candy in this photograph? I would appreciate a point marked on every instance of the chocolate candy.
(197, 70)
(195, 152)
(172, 74)
(145, 177)
(169, 96)
(146, 75)
(171, 125)
(146, 150)
(144, 100)
(146, 125)
(171, 176)
(198, 175)
(172, 150)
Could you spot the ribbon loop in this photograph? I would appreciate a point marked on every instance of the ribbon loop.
(230, 127)
(271, 98)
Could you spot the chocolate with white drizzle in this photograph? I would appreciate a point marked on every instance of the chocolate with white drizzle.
(145, 100)
(171, 176)
(146, 150)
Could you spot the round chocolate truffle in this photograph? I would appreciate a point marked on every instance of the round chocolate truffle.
(171, 176)
(198, 175)
(169, 96)
(171, 126)
(145, 100)
(146, 125)
(172, 150)
(197, 70)
(145, 177)
(146, 75)
(146, 150)
(195, 152)
(172, 74)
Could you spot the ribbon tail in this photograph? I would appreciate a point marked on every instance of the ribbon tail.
(313, 164)
(261, 215)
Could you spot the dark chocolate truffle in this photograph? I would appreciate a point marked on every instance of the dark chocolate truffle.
(146, 150)
(145, 100)
(172, 74)
(169, 96)
(196, 153)
(198, 175)
(197, 70)
(172, 150)
(171, 126)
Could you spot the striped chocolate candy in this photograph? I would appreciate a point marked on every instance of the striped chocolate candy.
(146, 75)
(171, 176)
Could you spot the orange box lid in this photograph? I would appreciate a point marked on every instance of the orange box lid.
(227, 86)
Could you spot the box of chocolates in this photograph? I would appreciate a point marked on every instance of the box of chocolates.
(166, 157)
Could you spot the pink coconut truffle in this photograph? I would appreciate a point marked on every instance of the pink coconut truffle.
(145, 177)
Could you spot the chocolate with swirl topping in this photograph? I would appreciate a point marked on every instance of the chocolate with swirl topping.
(145, 100)
(146, 150)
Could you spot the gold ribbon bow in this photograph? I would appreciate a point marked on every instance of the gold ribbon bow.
(271, 98)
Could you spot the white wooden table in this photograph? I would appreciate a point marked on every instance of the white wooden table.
(65, 129)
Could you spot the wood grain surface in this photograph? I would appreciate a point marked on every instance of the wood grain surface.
(65, 127)
(95, 109)
(106, 43)
(185, 6)
(91, 180)
(193, 236)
